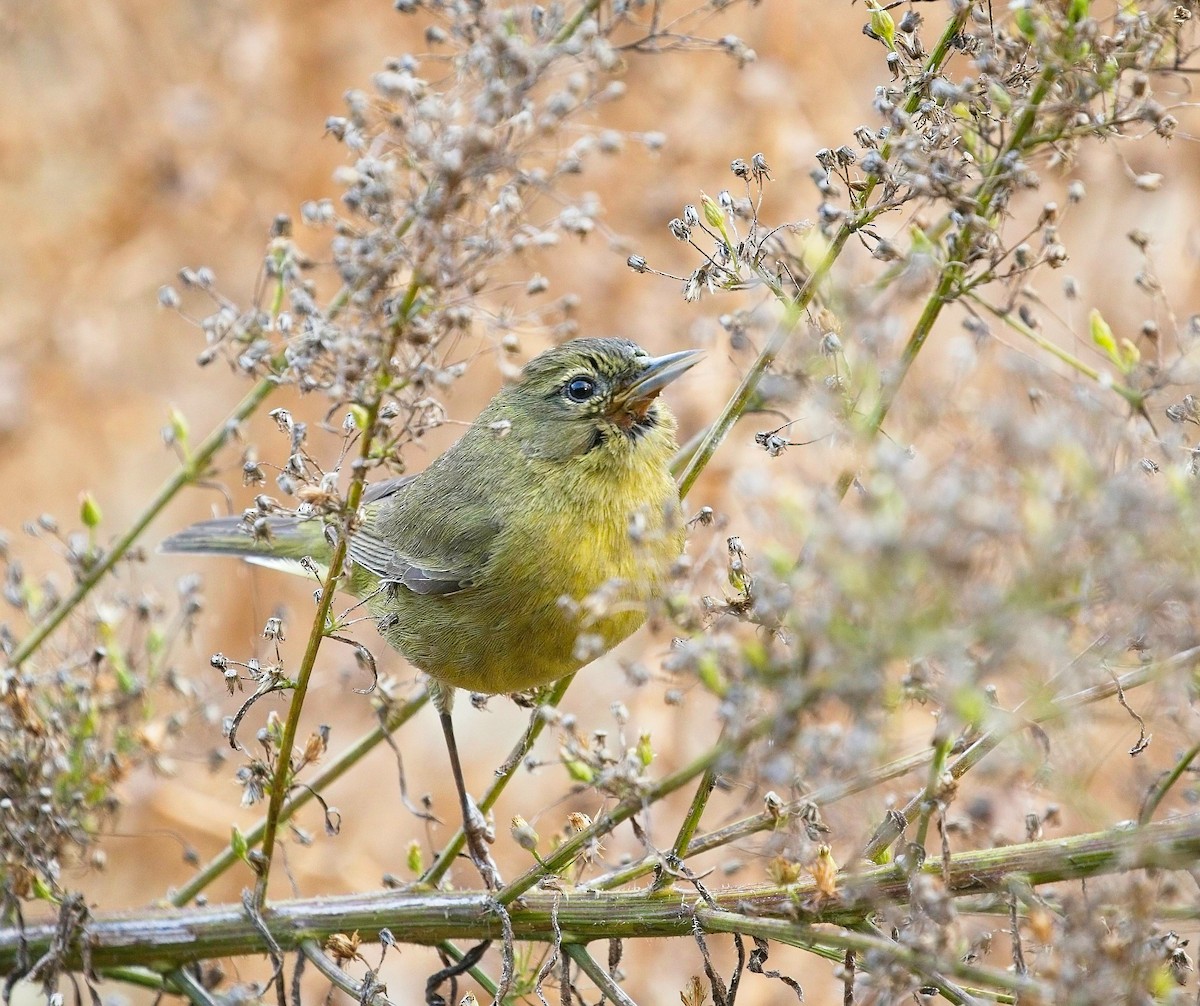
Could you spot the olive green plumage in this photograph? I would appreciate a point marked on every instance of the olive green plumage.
(478, 568)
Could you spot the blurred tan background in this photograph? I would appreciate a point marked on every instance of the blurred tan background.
(137, 137)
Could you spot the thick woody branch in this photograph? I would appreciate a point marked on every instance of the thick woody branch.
(172, 937)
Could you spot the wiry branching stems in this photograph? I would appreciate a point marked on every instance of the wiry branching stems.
(968, 759)
(566, 853)
(953, 272)
(834, 943)
(890, 829)
(334, 770)
(1135, 398)
(281, 782)
(194, 466)
(793, 309)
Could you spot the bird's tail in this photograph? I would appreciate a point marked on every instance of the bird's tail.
(272, 541)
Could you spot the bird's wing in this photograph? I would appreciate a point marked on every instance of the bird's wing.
(388, 487)
(442, 560)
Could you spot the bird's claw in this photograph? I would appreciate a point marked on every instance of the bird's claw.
(479, 834)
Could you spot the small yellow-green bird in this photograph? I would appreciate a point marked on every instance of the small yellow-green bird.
(476, 568)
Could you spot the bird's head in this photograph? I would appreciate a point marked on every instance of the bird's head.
(592, 394)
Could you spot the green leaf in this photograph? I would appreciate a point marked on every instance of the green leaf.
(414, 860)
(579, 771)
(644, 752)
(179, 428)
(239, 845)
(359, 415)
(1102, 337)
(882, 24)
(89, 511)
(43, 892)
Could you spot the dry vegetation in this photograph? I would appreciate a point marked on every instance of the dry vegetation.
(917, 718)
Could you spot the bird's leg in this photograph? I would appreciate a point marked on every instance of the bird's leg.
(474, 824)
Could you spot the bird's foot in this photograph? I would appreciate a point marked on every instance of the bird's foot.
(479, 835)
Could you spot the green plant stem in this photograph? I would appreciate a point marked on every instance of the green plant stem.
(188, 985)
(572, 26)
(172, 937)
(601, 978)
(486, 982)
(566, 853)
(635, 802)
(1134, 398)
(192, 468)
(691, 821)
(504, 775)
(953, 271)
(941, 750)
(1164, 785)
(794, 308)
(282, 779)
(141, 977)
(333, 771)
(745, 392)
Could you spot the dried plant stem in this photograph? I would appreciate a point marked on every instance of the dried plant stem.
(281, 782)
(333, 771)
(177, 937)
(340, 979)
(486, 982)
(193, 468)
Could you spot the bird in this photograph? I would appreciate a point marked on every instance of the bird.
(525, 550)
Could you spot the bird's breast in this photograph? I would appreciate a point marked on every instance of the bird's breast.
(581, 548)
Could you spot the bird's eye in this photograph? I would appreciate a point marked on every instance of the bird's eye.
(580, 389)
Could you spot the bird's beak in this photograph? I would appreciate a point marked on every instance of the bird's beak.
(658, 372)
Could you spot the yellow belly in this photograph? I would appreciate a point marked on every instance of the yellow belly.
(556, 593)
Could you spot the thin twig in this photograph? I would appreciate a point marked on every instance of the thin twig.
(192, 468)
(603, 981)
